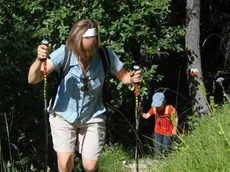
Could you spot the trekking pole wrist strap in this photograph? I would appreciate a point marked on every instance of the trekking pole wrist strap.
(131, 80)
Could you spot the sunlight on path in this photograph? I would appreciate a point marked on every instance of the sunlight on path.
(145, 165)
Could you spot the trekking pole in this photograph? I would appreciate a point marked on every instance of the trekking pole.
(136, 85)
(45, 42)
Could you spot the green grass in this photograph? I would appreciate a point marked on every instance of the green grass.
(112, 159)
(205, 149)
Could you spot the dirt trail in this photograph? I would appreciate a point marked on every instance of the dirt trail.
(145, 165)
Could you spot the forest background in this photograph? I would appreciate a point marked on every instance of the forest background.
(148, 33)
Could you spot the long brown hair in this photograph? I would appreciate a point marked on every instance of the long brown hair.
(74, 40)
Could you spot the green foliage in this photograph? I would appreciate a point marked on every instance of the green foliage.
(23, 24)
(213, 107)
(193, 122)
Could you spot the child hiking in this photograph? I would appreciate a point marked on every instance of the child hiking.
(165, 123)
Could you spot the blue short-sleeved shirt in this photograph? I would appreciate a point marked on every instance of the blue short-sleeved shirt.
(73, 104)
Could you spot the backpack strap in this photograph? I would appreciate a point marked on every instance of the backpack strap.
(167, 110)
(63, 71)
(66, 64)
(155, 111)
(104, 55)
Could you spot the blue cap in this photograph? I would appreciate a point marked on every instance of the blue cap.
(158, 99)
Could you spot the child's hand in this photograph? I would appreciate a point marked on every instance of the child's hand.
(174, 131)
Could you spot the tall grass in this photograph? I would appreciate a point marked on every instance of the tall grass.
(206, 149)
(14, 162)
(113, 159)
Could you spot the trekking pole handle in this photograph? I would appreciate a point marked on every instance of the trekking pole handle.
(45, 42)
(135, 68)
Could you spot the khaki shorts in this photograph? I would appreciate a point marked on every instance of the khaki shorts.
(88, 139)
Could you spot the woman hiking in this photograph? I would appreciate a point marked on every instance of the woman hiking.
(79, 118)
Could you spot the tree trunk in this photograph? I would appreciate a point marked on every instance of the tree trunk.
(197, 91)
